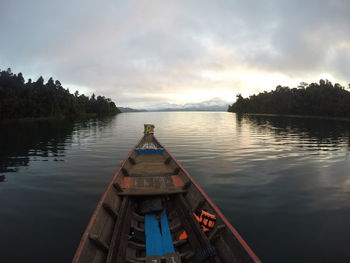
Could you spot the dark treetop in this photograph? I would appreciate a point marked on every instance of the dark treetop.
(323, 99)
(38, 99)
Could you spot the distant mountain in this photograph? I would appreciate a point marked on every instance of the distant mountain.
(122, 109)
(215, 104)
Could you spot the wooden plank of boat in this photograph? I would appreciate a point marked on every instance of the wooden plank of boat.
(150, 174)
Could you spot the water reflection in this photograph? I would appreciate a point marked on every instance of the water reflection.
(55, 172)
(322, 134)
(43, 140)
(22, 141)
(283, 182)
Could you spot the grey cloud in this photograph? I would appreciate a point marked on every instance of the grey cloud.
(143, 50)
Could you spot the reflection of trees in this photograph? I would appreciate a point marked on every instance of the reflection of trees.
(320, 131)
(25, 140)
(19, 141)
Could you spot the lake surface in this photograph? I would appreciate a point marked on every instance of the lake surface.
(283, 182)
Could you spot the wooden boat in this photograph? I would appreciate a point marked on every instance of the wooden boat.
(150, 202)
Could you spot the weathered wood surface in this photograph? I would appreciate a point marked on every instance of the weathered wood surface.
(151, 185)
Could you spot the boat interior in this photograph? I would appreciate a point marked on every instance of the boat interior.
(149, 213)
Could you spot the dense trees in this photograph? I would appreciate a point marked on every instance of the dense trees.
(37, 99)
(323, 99)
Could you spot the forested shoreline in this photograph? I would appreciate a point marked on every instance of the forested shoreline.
(315, 99)
(20, 99)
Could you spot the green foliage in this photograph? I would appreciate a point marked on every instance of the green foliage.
(37, 99)
(322, 99)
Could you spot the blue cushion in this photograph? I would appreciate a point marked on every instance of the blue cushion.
(158, 242)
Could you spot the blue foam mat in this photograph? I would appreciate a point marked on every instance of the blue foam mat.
(158, 241)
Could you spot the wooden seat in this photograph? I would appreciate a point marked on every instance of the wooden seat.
(150, 169)
(150, 165)
(153, 185)
(149, 192)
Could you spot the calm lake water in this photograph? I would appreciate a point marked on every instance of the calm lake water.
(283, 182)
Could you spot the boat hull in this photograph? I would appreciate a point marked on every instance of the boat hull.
(110, 234)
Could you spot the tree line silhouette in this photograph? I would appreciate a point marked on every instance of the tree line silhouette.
(322, 99)
(20, 99)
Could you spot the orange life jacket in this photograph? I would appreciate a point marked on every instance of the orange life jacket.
(206, 221)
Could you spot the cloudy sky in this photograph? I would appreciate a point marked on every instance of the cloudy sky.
(145, 52)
